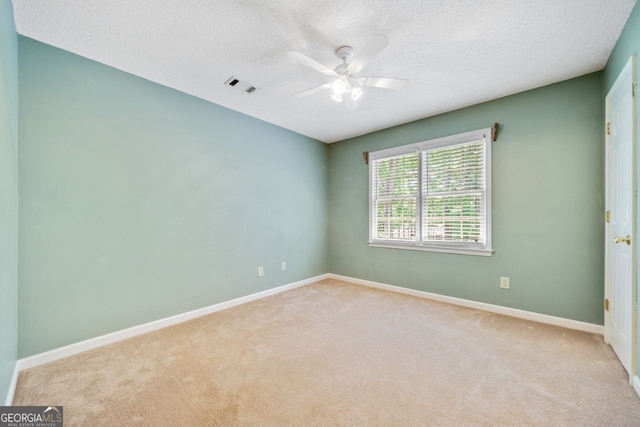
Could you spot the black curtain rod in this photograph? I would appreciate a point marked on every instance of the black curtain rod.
(496, 127)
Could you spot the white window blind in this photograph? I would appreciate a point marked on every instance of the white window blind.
(453, 195)
(397, 187)
(434, 195)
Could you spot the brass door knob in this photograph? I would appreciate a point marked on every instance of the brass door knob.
(626, 240)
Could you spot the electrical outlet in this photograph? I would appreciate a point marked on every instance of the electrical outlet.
(284, 265)
(504, 283)
(260, 271)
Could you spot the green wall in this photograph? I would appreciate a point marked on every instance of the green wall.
(547, 205)
(8, 196)
(139, 202)
(628, 44)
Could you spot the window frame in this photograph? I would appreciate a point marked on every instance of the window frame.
(466, 248)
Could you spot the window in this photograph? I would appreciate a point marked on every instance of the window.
(434, 195)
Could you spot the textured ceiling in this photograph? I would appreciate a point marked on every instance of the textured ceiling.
(455, 53)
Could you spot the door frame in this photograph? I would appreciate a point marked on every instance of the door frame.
(630, 67)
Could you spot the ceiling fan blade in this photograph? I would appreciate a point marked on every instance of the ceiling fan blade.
(349, 102)
(304, 59)
(383, 82)
(372, 47)
(312, 90)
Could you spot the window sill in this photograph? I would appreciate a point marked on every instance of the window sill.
(441, 249)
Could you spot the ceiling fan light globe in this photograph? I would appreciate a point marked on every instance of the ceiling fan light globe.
(336, 98)
(339, 86)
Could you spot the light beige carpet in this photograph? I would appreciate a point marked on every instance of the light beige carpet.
(333, 353)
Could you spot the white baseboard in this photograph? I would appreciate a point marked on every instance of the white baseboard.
(12, 386)
(90, 344)
(636, 384)
(513, 312)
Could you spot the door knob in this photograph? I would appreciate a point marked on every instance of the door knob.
(626, 240)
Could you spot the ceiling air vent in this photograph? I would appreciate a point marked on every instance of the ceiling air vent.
(240, 85)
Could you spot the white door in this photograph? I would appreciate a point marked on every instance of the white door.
(620, 237)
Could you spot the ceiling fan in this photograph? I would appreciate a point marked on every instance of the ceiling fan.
(347, 85)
